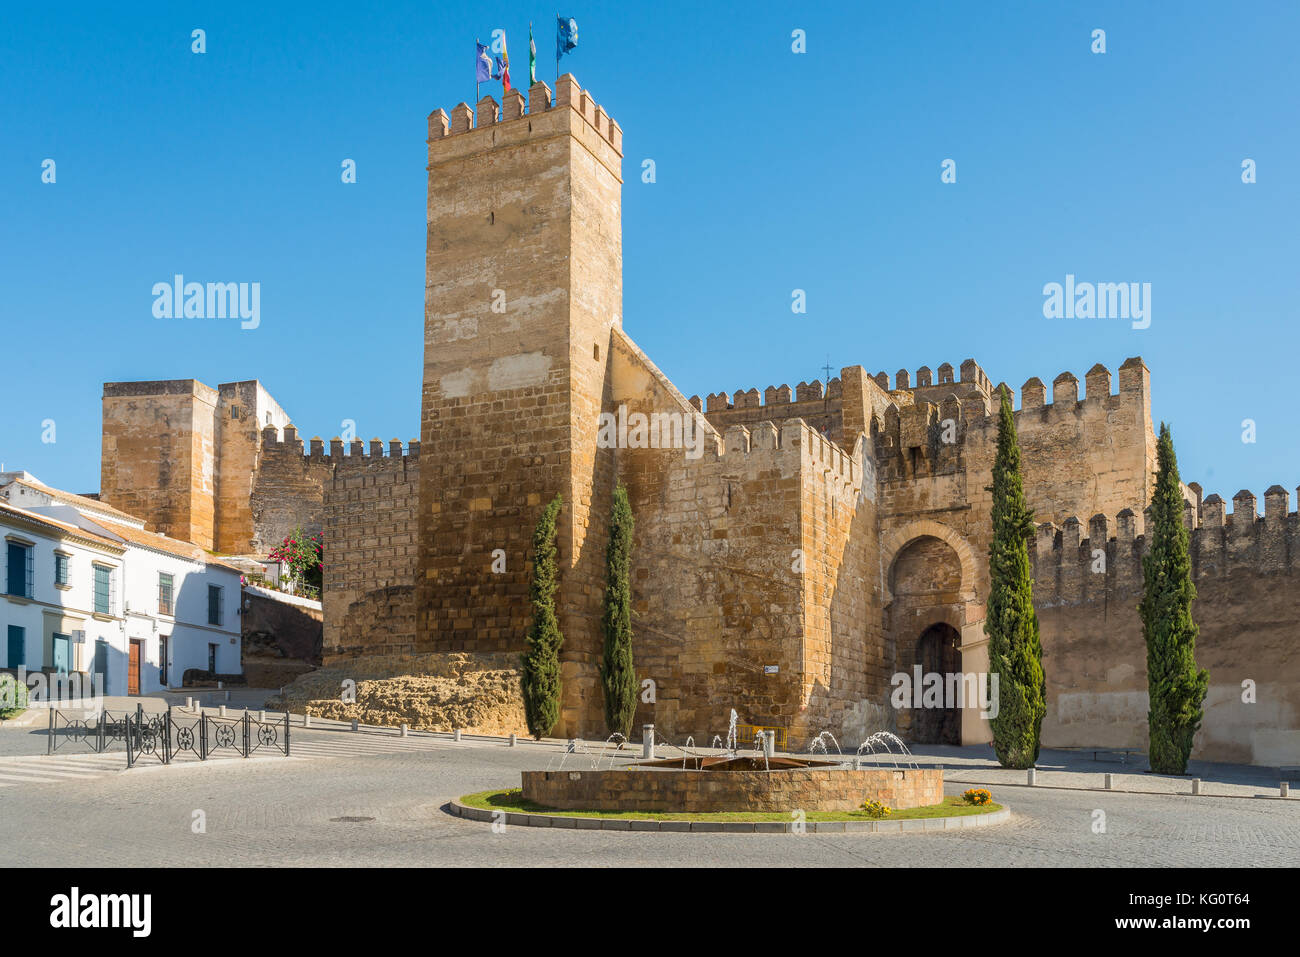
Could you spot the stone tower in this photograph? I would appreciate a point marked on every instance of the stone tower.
(523, 287)
(159, 455)
(185, 457)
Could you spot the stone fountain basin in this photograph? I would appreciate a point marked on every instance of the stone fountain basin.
(724, 763)
(791, 784)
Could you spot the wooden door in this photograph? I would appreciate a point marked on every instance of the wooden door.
(133, 669)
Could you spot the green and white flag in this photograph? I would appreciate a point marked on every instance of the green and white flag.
(532, 56)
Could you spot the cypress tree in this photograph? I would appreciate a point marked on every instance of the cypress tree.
(541, 662)
(617, 671)
(1015, 652)
(1176, 686)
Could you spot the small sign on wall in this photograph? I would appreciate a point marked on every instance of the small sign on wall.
(771, 669)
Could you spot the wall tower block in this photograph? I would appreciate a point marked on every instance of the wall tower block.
(523, 286)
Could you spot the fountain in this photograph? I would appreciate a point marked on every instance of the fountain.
(731, 781)
(820, 741)
(884, 738)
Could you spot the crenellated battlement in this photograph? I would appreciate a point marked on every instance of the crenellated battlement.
(913, 416)
(773, 395)
(791, 438)
(970, 374)
(289, 445)
(490, 115)
(1134, 379)
(1074, 561)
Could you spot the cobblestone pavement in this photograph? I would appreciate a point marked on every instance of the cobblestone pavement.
(376, 800)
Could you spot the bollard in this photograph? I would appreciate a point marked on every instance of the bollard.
(221, 711)
(648, 742)
(1196, 785)
(572, 746)
(227, 695)
(769, 743)
(261, 716)
(306, 720)
(513, 740)
(189, 704)
(1110, 781)
(354, 724)
(1032, 777)
(455, 735)
(220, 685)
(1284, 789)
(405, 730)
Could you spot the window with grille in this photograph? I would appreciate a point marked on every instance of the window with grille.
(61, 575)
(20, 564)
(165, 594)
(103, 590)
(214, 604)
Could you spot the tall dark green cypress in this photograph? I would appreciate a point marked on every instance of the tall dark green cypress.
(1015, 652)
(1176, 686)
(541, 662)
(617, 671)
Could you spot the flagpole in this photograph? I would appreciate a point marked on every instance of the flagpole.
(557, 51)
(477, 44)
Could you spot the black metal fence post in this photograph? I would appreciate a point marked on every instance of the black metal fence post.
(49, 741)
(244, 725)
(286, 734)
(100, 735)
(203, 737)
(130, 753)
(167, 736)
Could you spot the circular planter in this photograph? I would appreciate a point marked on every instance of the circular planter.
(520, 819)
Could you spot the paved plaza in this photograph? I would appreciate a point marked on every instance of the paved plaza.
(374, 799)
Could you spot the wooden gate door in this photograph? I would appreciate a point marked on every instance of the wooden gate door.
(133, 669)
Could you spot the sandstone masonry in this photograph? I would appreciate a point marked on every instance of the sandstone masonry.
(829, 536)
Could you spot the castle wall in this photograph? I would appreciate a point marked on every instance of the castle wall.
(846, 667)
(188, 459)
(523, 286)
(1248, 601)
(159, 455)
(244, 410)
(289, 487)
(371, 527)
(1079, 456)
(821, 408)
(756, 573)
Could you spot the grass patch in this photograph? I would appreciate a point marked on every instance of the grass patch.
(512, 799)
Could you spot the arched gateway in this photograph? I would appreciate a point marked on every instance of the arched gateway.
(931, 595)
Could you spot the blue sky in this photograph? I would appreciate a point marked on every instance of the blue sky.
(774, 171)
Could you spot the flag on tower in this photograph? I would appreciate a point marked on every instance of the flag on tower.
(482, 63)
(503, 65)
(566, 36)
(532, 56)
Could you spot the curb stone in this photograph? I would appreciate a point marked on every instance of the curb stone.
(953, 823)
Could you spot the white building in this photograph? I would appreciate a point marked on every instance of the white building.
(86, 589)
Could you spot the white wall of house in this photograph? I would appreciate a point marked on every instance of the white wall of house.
(53, 608)
(189, 628)
(193, 637)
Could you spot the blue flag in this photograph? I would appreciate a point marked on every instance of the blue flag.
(566, 35)
(482, 63)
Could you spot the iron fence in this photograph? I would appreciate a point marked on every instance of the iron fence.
(162, 736)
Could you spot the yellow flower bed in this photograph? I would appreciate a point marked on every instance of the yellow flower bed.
(876, 809)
